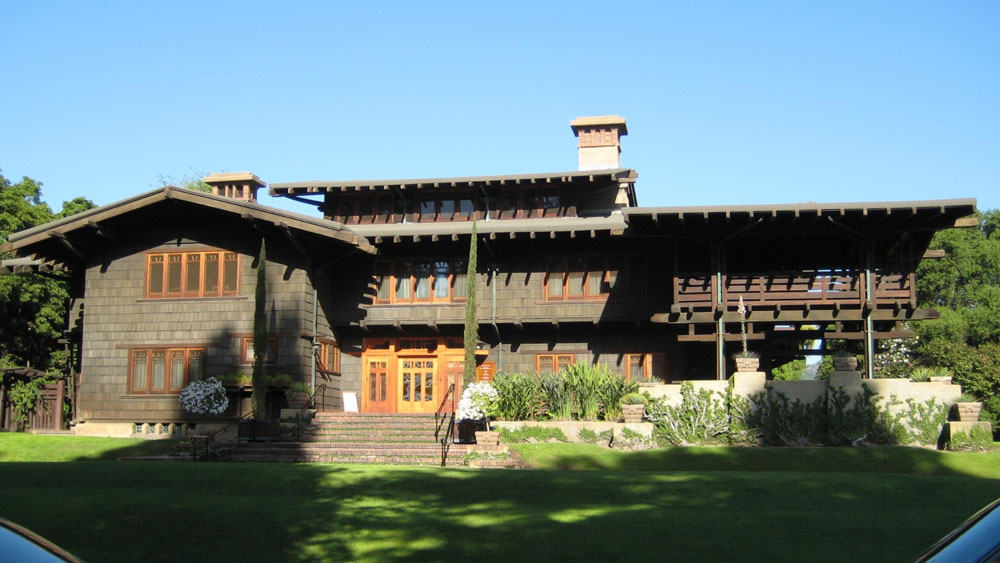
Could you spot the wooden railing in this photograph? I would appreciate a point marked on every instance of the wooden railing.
(698, 292)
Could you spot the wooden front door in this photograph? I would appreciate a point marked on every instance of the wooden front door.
(416, 385)
(376, 385)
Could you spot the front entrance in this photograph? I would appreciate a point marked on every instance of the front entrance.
(409, 375)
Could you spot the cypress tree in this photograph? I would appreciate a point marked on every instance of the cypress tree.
(471, 335)
(259, 396)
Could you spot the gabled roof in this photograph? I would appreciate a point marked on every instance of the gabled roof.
(43, 240)
(572, 178)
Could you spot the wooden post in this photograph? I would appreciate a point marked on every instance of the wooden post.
(57, 416)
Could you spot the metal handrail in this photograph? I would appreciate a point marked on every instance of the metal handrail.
(450, 432)
(310, 403)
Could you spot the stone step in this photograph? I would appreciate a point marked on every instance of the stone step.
(327, 438)
(451, 461)
(280, 447)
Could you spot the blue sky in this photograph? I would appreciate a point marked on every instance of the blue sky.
(726, 102)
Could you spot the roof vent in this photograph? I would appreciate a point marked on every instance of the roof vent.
(237, 185)
(600, 141)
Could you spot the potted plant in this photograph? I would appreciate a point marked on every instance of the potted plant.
(204, 397)
(297, 395)
(845, 362)
(633, 407)
(747, 361)
(474, 408)
(967, 408)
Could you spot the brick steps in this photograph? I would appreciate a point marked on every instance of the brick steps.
(406, 439)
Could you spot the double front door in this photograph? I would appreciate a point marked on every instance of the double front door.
(408, 381)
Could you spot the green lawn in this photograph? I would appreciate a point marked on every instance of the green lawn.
(700, 504)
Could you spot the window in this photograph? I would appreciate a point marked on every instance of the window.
(646, 367)
(247, 356)
(192, 274)
(594, 277)
(420, 281)
(529, 203)
(329, 356)
(164, 370)
(553, 363)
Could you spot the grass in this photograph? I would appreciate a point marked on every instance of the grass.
(31, 447)
(674, 505)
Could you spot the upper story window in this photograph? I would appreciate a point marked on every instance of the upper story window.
(420, 281)
(192, 274)
(428, 205)
(247, 351)
(164, 370)
(594, 277)
(328, 356)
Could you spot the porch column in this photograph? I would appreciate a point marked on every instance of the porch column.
(719, 309)
(866, 310)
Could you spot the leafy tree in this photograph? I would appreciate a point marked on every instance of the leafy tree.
(964, 287)
(471, 334)
(792, 370)
(33, 306)
(191, 181)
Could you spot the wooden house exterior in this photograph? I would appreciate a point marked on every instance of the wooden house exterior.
(370, 299)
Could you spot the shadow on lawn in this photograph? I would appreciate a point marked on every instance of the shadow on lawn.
(889, 459)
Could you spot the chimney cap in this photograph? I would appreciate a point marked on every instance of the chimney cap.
(232, 177)
(599, 120)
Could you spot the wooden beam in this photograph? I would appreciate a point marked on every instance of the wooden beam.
(796, 316)
(934, 253)
(103, 231)
(61, 237)
(966, 222)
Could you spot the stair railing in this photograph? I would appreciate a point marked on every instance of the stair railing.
(310, 403)
(440, 416)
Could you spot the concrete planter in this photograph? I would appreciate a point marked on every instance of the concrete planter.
(484, 438)
(845, 363)
(633, 413)
(297, 399)
(747, 364)
(968, 412)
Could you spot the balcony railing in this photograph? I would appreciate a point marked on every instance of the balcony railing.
(800, 289)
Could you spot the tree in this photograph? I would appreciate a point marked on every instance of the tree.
(258, 397)
(470, 336)
(192, 181)
(33, 306)
(964, 287)
(789, 371)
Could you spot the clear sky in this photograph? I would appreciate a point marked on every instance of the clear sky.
(726, 102)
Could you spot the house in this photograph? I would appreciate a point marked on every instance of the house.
(370, 299)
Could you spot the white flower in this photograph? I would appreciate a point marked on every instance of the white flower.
(204, 397)
(477, 401)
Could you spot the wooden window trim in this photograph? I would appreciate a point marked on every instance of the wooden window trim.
(246, 347)
(565, 272)
(390, 266)
(557, 360)
(631, 288)
(326, 346)
(647, 361)
(167, 390)
(224, 257)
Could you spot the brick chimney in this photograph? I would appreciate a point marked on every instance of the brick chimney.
(600, 141)
(237, 185)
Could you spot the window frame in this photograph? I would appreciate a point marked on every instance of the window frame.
(648, 362)
(386, 272)
(328, 350)
(557, 360)
(246, 349)
(167, 389)
(632, 283)
(163, 259)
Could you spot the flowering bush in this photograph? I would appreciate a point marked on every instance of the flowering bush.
(204, 397)
(477, 401)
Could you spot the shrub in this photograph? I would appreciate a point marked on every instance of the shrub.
(585, 381)
(701, 418)
(634, 399)
(531, 434)
(204, 397)
(604, 438)
(613, 388)
(921, 374)
(517, 396)
(557, 395)
(977, 440)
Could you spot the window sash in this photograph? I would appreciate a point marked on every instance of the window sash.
(162, 371)
(437, 281)
(192, 274)
(553, 363)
